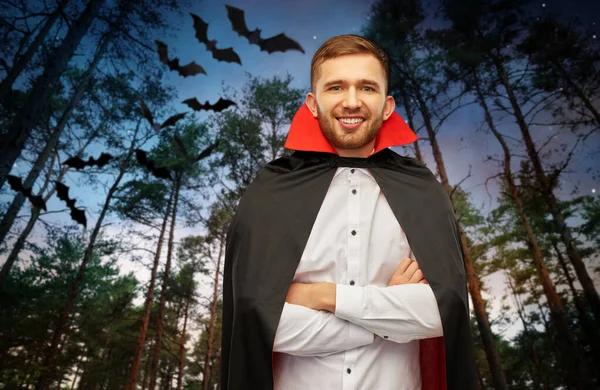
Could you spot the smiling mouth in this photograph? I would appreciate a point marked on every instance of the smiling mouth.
(350, 123)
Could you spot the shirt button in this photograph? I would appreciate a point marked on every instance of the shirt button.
(354, 192)
(385, 336)
(352, 282)
(353, 232)
(352, 170)
(348, 371)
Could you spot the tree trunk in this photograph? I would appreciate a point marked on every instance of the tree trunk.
(182, 343)
(573, 252)
(47, 376)
(410, 121)
(21, 61)
(13, 210)
(213, 318)
(13, 142)
(571, 355)
(473, 283)
(163, 292)
(139, 348)
(541, 379)
(586, 324)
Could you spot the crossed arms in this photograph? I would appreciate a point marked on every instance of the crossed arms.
(320, 319)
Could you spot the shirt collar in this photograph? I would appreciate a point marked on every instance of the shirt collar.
(344, 169)
(305, 133)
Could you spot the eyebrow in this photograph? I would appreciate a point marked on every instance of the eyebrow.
(361, 81)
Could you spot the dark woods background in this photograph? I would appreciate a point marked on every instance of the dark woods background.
(112, 266)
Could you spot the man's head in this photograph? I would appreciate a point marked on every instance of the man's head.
(349, 82)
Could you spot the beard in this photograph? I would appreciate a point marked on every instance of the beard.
(345, 139)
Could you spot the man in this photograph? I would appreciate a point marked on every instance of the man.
(319, 290)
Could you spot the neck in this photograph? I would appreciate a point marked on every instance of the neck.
(363, 152)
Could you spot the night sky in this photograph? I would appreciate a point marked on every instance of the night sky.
(312, 22)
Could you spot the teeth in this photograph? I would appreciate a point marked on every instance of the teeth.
(351, 121)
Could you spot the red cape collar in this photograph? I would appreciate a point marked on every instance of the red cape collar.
(305, 133)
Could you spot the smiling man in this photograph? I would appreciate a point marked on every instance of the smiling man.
(343, 267)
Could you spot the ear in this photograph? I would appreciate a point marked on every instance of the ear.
(311, 103)
(388, 107)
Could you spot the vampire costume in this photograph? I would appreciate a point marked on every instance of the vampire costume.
(274, 219)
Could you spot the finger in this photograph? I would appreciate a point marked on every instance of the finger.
(417, 277)
(424, 281)
(404, 264)
(410, 271)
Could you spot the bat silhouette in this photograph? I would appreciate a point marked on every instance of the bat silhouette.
(204, 154)
(220, 105)
(158, 172)
(78, 163)
(190, 69)
(77, 215)
(16, 184)
(280, 42)
(225, 55)
(169, 122)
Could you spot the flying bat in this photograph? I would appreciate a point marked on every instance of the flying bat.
(204, 154)
(158, 172)
(190, 69)
(77, 215)
(225, 55)
(279, 42)
(77, 163)
(16, 184)
(169, 122)
(219, 106)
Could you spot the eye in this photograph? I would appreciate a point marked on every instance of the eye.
(369, 89)
(335, 86)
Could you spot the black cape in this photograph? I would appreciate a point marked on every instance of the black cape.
(267, 237)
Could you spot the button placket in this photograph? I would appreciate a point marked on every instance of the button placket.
(352, 267)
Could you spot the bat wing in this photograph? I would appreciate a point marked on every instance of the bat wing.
(172, 120)
(147, 113)
(194, 104)
(238, 21)
(226, 55)
(201, 28)
(181, 146)
(78, 215)
(222, 104)
(281, 43)
(190, 69)
(163, 51)
(162, 173)
(15, 183)
(62, 191)
(207, 152)
(38, 202)
(76, 162)
(141, 157)
(103, 159)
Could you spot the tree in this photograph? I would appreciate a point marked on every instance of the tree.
(394, 26)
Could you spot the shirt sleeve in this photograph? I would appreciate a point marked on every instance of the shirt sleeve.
(400, 313)
(306, 332)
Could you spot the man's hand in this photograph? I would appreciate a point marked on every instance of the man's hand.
(408, 271)
(316, 296)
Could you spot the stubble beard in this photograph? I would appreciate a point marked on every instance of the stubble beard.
(340, 138)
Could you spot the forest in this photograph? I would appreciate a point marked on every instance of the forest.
(115, 198)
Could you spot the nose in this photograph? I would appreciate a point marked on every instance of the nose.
(351, 99)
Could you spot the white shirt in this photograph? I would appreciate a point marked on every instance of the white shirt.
(357, 243)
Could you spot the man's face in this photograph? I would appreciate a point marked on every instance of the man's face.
(350, 103)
